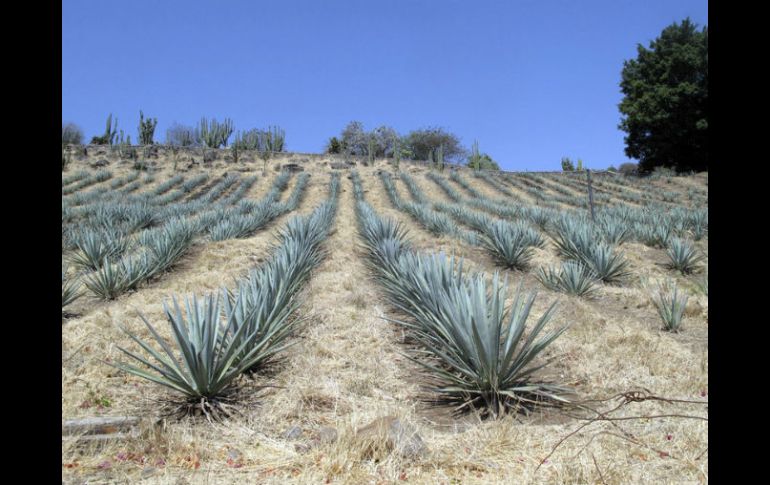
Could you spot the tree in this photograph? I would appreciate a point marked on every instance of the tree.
(567, 165)
(354, 139)
(425, 140)
(666, 95)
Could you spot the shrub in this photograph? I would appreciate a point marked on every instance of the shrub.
(628, 168)
(567, 165)
(334, 145)
(71, 134)
(181, 136)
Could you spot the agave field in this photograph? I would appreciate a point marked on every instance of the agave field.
(262, 324)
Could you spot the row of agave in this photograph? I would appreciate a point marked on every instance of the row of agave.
(653, 225)
(97, 177)
(509, 243)
(473, 348)
(132, 213)
(252, 216)
(74, 177)
(434, 222)
(156, 249)
(495, 184)
(233, 332)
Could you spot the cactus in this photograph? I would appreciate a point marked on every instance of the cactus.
(146, 129)
(396, 153)
(370, 150)
(579, 165)
(214, 134)
(108, 138)
(475, 160)
(277, 139)
(440, 158)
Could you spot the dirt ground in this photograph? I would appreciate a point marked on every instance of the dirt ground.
(347, 368)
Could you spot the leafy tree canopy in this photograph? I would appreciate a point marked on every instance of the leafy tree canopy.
(665, 105)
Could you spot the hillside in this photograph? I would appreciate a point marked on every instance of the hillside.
(347, 364)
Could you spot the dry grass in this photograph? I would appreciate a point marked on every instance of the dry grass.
(346, 369)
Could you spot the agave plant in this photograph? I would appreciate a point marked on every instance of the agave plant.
(480, 357)
(608, 265)
(206, 362)
(572, 278)
(683, 256)
(108, 282)
(69, 289)
(95, 247)
(670, 306)
(507, 245)
(613, 231)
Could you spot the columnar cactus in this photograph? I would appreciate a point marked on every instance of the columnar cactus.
(146, 129)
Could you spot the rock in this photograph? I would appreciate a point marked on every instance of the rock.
(100, 163)
(292, 433)
(209, 156)
(99, 425)
(393, 434)
(149, 471)
(234, 454)
(341, 165)
(292, 167)
(302, 447)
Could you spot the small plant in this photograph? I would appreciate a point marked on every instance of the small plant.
(334, 145)
(670, 306)
(572, 278)
(65, 159)
(703, 285)
(683, 256)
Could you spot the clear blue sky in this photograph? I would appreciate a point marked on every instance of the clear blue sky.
(532, 81)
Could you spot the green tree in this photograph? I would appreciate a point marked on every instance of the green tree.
(567, 165)
(666, 95)
(422, 141)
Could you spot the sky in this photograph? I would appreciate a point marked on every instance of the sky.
(531, 81)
